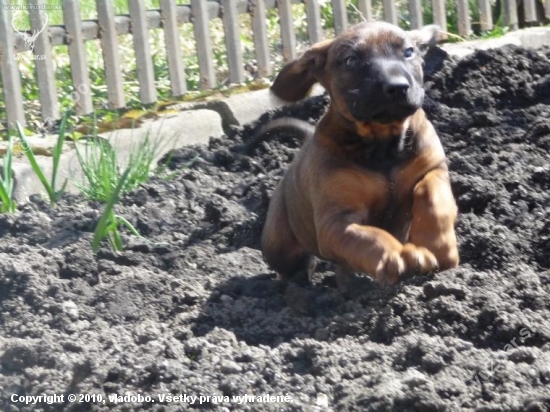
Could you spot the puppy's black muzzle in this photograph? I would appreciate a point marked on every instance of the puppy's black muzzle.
(396, 88)
(387, 91)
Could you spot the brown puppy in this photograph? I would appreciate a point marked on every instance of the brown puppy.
(370, 189)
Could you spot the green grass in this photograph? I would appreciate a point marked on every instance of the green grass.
(495, 33)
(109, 223)
(49, 185)
(101, 166)
(7, 180)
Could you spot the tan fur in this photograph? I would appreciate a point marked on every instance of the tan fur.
(384, 224)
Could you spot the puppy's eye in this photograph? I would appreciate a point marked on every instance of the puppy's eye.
(352, 61)
(409, 52)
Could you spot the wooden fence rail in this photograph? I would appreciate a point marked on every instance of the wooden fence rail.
(108, 26)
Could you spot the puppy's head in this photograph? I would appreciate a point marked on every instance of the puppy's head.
(372, 71)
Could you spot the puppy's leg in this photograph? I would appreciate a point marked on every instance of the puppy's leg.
(281, 249)
(434, 214)
(344, 275)
(371, 250)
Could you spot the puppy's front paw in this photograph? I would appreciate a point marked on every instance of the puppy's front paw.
(418, 259)
(447, 256)
(411, 259)
(390, 268)
(442, 245)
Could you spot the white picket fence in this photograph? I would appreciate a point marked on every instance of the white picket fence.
(139, 22)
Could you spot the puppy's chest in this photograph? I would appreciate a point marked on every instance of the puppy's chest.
(387, 186)
(388, 204)
(382, 156)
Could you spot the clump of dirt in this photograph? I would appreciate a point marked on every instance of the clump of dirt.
(195, 311)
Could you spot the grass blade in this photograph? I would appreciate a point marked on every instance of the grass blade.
(57, 150)
(6, 181)
(101, 230)
(129, 226)
(34, 164)
(5, 198)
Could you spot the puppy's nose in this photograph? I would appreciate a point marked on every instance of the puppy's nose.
(396, 87)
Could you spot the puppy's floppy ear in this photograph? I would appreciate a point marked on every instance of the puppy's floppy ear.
(297, 77)
(426, 37)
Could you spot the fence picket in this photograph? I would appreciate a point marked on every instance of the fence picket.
(530, 11)
(511, 14)
(415, 14)
(314, 24)
(49, 104)
(109, 47)
(390, 12)
(365, 8)
(485, 15)
(439, 17)
(75, 32)
(199, 10)
(463, 17)
(77, 57)
(547, 9)
(144, 61)
(288, 37)
(340, 16)
(176, 67)
(11, 79)
(233, 41)
(261, 45)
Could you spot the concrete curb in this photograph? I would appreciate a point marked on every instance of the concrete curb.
(182, 129)
(534, 37)
(198, 122)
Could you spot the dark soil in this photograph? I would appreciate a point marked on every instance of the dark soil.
(197, 312)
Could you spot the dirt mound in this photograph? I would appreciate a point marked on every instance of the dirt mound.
(197, 312)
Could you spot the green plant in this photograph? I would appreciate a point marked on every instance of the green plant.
(100, 165)
(497, 31)
(7, 181)
(50, 186)
(108, 225)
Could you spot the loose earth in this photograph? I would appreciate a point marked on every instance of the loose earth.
(194, 311)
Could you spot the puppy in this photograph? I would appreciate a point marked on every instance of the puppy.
(370, 187)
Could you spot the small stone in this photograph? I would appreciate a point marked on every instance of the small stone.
(432, 363)
(226, 299)
(322, 400)
(227, 366)
(321, 334)
(70, 308)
